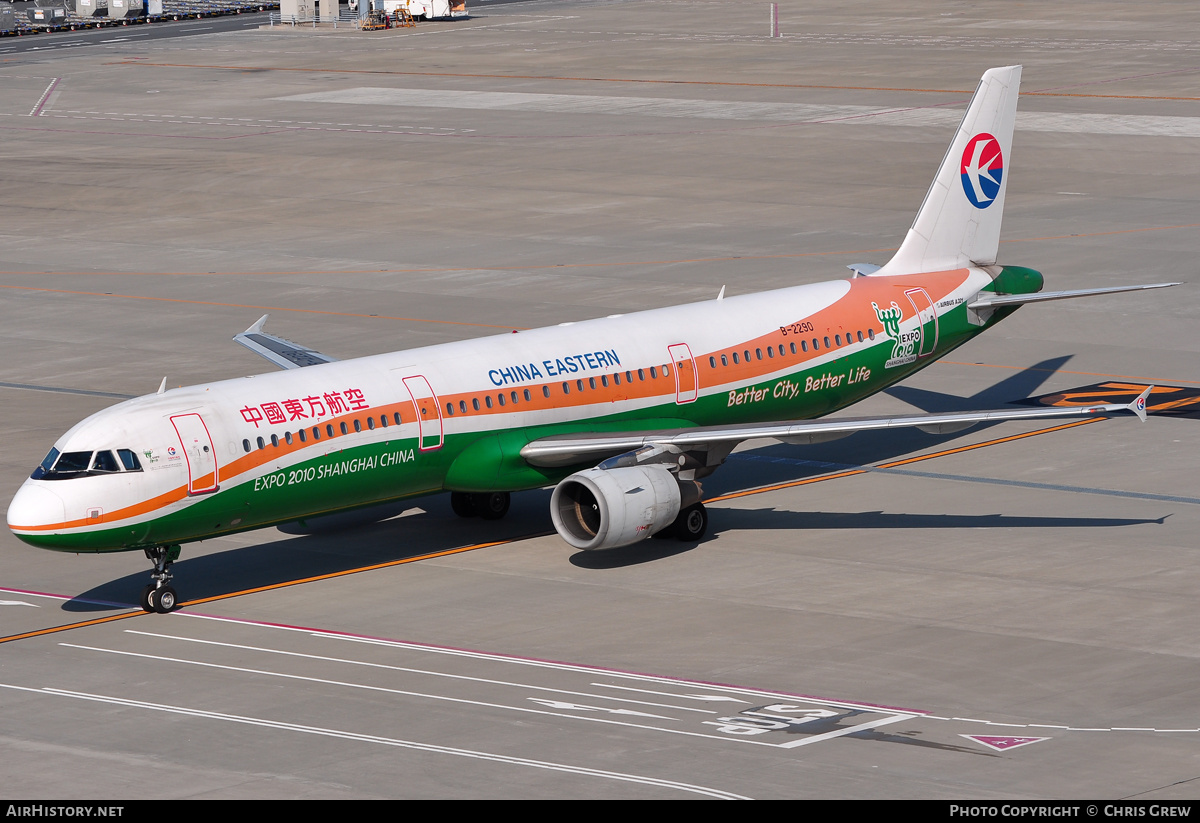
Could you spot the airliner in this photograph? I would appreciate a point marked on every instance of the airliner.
(624, 416)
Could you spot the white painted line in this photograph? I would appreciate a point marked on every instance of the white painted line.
(424, 672)
(710, 698)
(595, 671)
(386, 741)
(871, 724)
(403, 692)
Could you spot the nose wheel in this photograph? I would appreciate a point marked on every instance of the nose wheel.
(159, 596)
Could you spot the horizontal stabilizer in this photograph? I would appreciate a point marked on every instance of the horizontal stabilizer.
(987, 300)
(573, 449)
(281, 352)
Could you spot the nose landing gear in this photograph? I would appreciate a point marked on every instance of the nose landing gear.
(159, 596)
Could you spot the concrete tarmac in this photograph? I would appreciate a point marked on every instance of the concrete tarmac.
(887, 616)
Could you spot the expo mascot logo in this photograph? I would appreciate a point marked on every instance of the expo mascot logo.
(904, 345)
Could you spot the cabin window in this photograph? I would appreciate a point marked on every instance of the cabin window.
(735, 358)
(628, 377)
(513, 396)
(371, 423)
(329, 429)
(261, 443)
(487, 400)
(566, 388)
(837, 338)
(816, 344)
(746, 355)
(604, 380)
(666, 370)
(316, 432)
(450, 409)
(342, 426)
(757, 354)
(617, 379)
(396, 417)
(579, 384)
(527, 396)
(287, 438)
(712, 362)
(771, 351)
(871, 334)
(500, 398)
(357, 425)
(462, 406)
(475, 403)
(275, 440)
(246, 446)
(303, 436)
(793, 346)
(545, 391)
(860, 336)
(383, 420)
(826, 341)
(591, 383)
(724, 360)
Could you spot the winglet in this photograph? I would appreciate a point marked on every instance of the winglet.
(258, 325)
(162, 387)
(280, 351)
(1138, 406)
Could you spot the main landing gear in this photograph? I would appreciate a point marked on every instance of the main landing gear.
(689, 526)
(488, 505)
(159, 596)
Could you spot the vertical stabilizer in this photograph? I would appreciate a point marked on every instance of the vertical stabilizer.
(959, 222)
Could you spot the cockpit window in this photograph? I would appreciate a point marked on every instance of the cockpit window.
(105, 462)
(72, 462)
(45, 465)
(84, 464)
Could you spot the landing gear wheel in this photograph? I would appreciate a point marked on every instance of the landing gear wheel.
(144, 602)
(493, 505)
(163, 600)
(463, 504)
(691, 524)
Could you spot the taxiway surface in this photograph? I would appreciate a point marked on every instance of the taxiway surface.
(1007, 612)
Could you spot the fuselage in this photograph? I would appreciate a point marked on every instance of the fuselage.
(278, 447)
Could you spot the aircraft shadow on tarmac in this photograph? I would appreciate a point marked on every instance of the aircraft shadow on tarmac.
(435, 528)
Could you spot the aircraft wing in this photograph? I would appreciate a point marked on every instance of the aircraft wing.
(281, 352)
(572, 449)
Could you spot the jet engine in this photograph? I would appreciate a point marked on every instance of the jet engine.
(605, 508)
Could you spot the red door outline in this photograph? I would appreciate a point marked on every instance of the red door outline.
(198, 451)
(926, 317)
(687, 384)
(428, 411)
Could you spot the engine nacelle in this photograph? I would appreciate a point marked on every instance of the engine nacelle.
(609, 508)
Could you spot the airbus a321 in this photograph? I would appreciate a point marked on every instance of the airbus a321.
(624, 416)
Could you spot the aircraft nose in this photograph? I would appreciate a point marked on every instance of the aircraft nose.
(33, 506)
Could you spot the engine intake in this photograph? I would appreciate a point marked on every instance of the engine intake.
(608, 508)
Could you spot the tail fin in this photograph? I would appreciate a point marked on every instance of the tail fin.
(959, 222)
